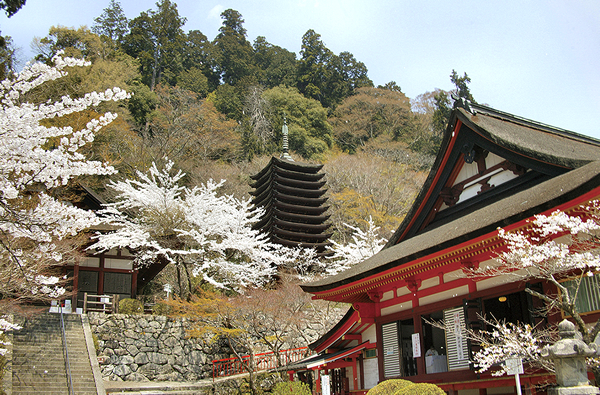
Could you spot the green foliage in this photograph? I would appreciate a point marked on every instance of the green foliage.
(462, 88)
(228, 100)
(96, 342)
(11, 6)
(232, 49)
(275, 65)
(112, 23)
(156, 39)
(389, 387)
(77, 43)
(369, 113)
(142, 103)
(7, 58)
(194, 80)
(161, 309)
(310, 134)
(291, 388)
(327, 77)
(130, 306)
(420, 389)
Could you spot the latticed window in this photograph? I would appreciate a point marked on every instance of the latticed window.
(588, 294)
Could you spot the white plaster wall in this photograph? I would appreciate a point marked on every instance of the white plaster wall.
(371, 372)
(370, 334)
(396, 308)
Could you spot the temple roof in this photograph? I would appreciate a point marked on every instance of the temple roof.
(291, 195)
(555, 166)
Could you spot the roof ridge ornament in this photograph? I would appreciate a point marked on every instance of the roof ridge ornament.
(284, 131)
(464, 103)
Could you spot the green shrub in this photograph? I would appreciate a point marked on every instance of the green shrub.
(161, 309)
(420, 389)
(389, 387)
(291, 388)
(130, 306)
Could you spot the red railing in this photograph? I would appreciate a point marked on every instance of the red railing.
(264, 361)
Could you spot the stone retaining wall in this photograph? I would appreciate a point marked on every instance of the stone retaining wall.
(146, 347)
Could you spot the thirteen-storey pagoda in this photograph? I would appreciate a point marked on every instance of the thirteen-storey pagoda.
(292, 195)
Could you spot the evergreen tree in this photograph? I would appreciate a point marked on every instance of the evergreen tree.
(112, 23)
(156, 39)
(441, 116)
(198, 55)
(233, 52)
(327, 77)
(7, 58)
(275, 65)
(312, 66)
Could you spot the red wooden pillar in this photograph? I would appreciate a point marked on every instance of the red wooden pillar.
(318, 381)
(418, 326)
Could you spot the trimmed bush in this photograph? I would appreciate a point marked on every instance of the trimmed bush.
(161, 309)
(389, 387)
(130, 306)
(420, 389)
(291, 388)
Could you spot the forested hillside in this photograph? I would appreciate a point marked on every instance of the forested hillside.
(216, 109)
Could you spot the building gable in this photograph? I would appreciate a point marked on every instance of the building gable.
(487, 155)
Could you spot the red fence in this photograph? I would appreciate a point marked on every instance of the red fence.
(268, 360)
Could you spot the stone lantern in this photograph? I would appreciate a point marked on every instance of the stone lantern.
(569, 354)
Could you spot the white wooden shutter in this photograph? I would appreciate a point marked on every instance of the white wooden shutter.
(456, 342)
(391, 352)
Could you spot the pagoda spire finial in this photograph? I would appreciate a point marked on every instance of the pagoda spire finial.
(284, 131)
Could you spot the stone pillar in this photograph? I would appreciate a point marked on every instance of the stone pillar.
(569, 355)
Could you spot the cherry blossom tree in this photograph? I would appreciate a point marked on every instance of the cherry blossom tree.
(199, 231)
(35, 160)
(364, 244)
(560, 249)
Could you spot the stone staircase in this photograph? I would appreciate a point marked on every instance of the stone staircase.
(38, 363)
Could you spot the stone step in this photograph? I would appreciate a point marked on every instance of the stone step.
(38, 360)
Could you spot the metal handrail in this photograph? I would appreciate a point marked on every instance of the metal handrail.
(66, 352)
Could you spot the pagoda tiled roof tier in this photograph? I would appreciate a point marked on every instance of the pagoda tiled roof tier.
(292, 197)
(289, 174)
(283, 164)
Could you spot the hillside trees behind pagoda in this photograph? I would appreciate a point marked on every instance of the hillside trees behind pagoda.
(112, 23)
(233, 53)
(310, 134)
(188, 131)
(327, 77)
(276, 65)
(156, 40)
(362, 186)
(199, 66)
(368, 114)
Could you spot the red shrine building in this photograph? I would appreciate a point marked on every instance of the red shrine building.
(107, 273)
(493, 170)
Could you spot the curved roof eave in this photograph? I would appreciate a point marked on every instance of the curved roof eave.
(507, 211)
(538, 141)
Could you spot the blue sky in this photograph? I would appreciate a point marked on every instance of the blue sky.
(536, 59)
